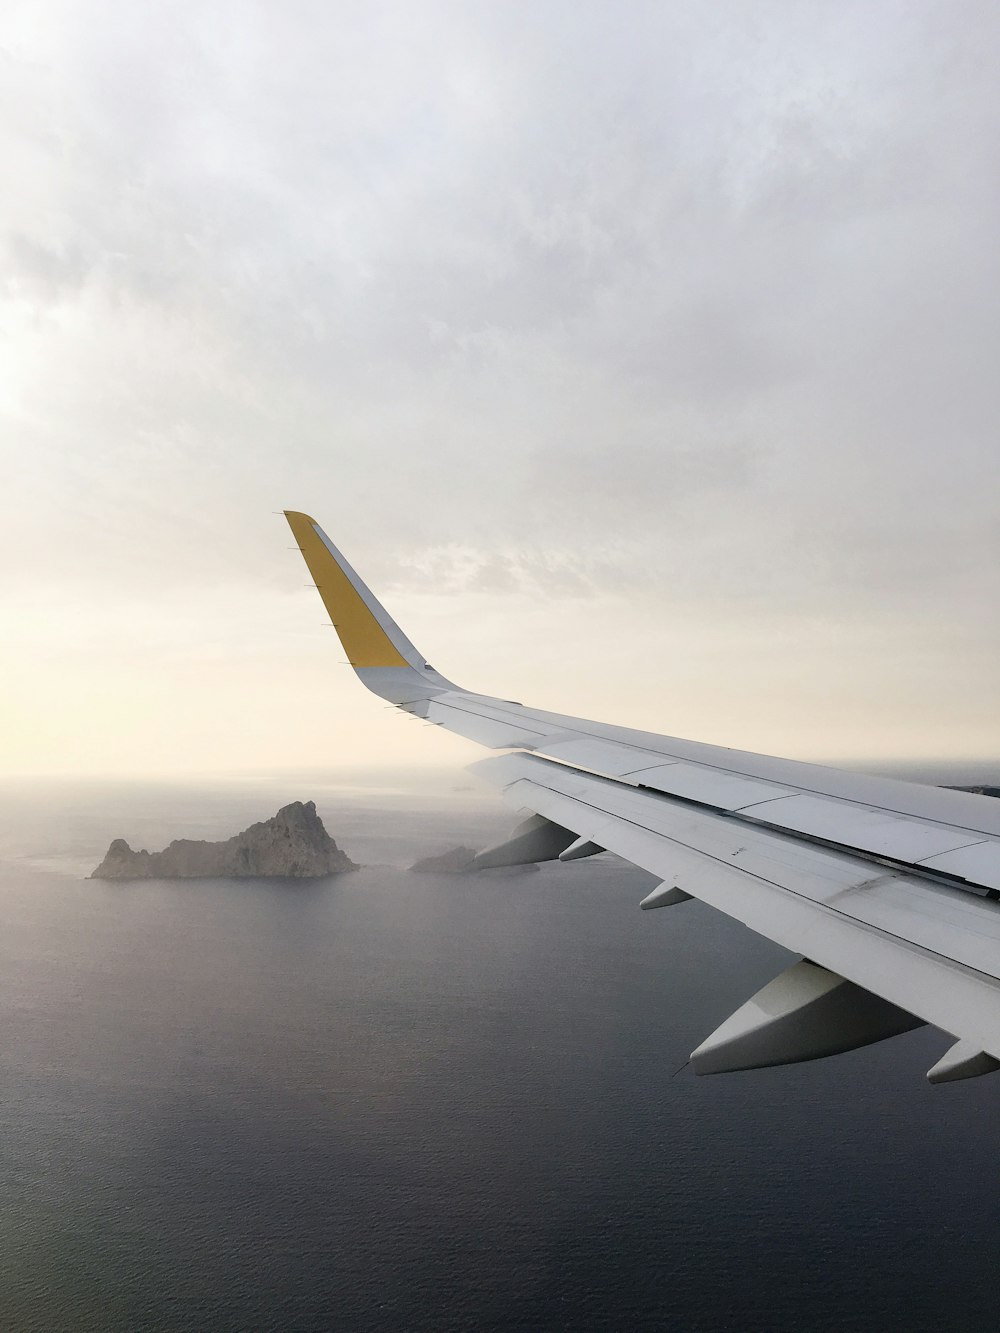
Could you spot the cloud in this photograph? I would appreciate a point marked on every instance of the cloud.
(697, 310)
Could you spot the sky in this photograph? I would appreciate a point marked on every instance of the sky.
(642, 358)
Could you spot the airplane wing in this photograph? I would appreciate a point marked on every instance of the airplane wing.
(889, 890)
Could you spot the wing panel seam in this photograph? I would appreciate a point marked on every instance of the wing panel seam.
(802, 897)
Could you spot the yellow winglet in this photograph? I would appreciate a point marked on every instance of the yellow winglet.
(366, 641)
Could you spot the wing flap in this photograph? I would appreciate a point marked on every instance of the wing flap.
(828, 906)
(958, 809)
(879, 832)
(960, 850)
(976, 863)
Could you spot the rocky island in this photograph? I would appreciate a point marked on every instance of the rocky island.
(292, 845)
(461, 861)
(456, 861)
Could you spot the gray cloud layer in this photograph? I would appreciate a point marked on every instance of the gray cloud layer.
(695, 305)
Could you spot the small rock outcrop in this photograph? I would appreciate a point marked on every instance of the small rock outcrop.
(292, 845)
(456, 861)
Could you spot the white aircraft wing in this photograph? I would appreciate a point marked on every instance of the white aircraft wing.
(889, 890)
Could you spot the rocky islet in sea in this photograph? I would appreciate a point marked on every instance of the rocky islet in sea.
(293, 844)
(455, 861)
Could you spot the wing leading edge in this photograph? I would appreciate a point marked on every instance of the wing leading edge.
(889, 889)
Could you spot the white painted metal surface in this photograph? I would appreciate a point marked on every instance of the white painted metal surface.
(803, 1014)
(830, 906)
(963, 810)
(963, 1060)
(865, 827)
(665, 895)
(708, 786)
(955, 833)
(978, 863)
(580, 850)
(536, 839)
(598, 756)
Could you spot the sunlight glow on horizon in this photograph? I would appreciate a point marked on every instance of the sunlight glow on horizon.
(647, 373)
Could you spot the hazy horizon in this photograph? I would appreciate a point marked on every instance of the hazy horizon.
(436, 780)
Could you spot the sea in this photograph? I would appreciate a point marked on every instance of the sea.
(389, 1100)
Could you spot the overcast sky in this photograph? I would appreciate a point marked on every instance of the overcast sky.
(643, 357)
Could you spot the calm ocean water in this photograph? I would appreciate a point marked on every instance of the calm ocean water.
(397, 1101)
